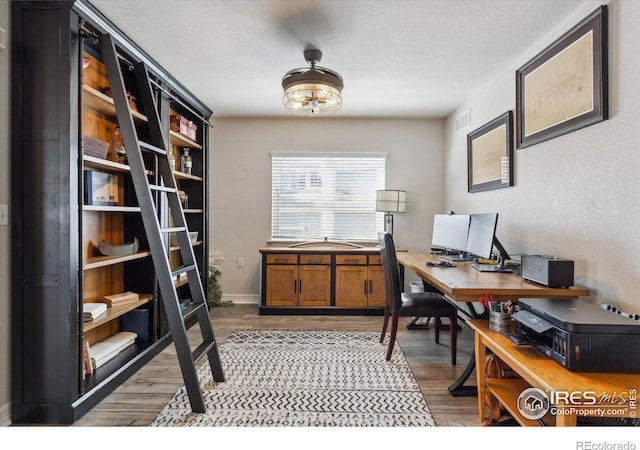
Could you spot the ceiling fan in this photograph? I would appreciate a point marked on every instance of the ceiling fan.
(312, 90)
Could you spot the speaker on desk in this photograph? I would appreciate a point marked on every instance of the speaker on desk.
(547, 270)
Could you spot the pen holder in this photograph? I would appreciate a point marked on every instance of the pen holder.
(500, 321)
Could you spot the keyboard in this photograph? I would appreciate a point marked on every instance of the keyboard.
(452, 257)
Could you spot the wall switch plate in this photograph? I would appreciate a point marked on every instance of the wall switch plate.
(240, 263)
(4, 214)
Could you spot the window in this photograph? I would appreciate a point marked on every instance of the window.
(318, 196)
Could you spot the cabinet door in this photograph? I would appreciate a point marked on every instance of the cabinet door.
(351, 286)
(376, 294)
(282, 285)
(314, 287)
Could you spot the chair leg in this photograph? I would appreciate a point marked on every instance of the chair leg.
(392, 337)
(438, 323)
(385, 323)
(454, 337)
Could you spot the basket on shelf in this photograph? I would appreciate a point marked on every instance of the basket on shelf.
(116, 250)
(94, 147)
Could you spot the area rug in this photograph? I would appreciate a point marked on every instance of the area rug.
(288, 378)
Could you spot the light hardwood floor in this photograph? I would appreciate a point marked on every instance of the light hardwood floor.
(138, 400)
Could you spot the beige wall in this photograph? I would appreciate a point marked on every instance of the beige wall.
(240, 173)
(5, 287)
(576, 196)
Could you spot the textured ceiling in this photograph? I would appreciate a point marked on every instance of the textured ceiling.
(398, 58)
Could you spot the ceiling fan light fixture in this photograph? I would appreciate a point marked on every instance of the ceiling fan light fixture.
(312, 90)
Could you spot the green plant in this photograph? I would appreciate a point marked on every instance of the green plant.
(214, 290)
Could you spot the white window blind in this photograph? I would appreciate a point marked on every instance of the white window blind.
(313, 197)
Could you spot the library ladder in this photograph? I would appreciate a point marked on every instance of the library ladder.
(156, 235)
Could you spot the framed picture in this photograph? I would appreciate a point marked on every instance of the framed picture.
(490, 155)
(564, 87)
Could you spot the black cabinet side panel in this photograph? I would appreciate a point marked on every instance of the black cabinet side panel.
(44, 184)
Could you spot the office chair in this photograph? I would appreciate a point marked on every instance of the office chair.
(407, 304)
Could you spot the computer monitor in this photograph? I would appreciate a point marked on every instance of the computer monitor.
(482, 229)
(482, 238)
(450, 233)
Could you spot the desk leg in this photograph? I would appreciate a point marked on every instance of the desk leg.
(457, 389)
(480, 352)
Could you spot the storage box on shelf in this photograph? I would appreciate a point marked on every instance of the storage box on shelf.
(183, 126)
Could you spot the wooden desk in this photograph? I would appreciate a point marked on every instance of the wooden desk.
(539, 371)
(463, 285)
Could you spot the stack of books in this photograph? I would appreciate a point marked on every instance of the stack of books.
(123, 298)
(91, 311)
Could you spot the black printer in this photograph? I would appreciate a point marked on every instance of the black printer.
(580, 336)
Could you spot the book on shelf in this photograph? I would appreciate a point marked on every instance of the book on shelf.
(107, 349)
(91, 311)
(86, 358)
(100, 188)
(123, 298)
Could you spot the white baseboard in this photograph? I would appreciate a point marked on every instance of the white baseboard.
(242, 299)
(5, 415)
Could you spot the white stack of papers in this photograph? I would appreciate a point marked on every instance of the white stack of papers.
(103, 351)
(91, 311)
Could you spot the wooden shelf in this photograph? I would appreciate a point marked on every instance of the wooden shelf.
(114, 313)
(111, 208)
(185, 176)
(507, 391)
(103, 261)
(176, 248)
(96, 100)
(181, 140)
(91, 162)
(123, 361)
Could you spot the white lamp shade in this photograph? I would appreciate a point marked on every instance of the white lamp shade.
(391, 201)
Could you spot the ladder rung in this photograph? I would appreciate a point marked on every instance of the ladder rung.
(202, 350)
(172, 229)
(191, 309)
(182, 269)
(155, 187)
(152, 148)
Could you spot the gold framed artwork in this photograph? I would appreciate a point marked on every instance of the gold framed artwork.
(490, 155)
(564, 88)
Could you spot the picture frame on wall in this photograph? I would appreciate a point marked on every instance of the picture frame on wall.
(490, 155)
(564, 88)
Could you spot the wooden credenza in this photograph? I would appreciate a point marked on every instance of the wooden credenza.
(322, 280)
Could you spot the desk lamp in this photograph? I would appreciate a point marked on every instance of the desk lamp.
(390, 201)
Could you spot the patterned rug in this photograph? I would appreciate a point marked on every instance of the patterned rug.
(304, 378)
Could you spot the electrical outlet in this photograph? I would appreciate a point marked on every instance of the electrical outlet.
(4, 214)
(240, 263)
